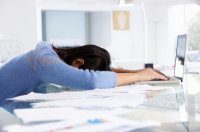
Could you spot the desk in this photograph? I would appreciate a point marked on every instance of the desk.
(172, 120)
(192, 84)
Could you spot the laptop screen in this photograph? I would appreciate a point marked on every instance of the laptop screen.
(180, 56)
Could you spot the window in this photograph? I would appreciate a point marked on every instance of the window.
(193, 26)
(185, 18)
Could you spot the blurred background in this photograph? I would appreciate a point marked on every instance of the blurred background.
(133, 31)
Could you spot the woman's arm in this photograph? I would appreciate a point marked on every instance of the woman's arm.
(121, 70)
(141, 75)
(50, 69)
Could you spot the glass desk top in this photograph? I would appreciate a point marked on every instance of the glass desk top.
(192, 85)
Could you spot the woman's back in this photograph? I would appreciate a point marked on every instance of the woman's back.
(17, 76)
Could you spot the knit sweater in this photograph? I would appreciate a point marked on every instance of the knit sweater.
(22, 74)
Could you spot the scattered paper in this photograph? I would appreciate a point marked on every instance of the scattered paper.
(131, 89)
(55, 114)
(98, 124)
(89, 110)
(99, 100)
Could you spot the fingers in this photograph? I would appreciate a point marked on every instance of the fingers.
(163, 77)
(157, 74)
(150, 74)
(166, 77)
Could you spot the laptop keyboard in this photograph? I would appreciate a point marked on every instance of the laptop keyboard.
(157, 79)
(170, 79)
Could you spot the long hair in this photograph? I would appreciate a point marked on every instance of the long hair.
(95, 58)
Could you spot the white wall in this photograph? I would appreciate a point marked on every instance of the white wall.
(159, 50)
(18, 21)
(129, 45)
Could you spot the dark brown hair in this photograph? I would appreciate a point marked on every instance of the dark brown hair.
(95, 58)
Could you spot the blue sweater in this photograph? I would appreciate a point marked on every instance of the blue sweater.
(22, 74)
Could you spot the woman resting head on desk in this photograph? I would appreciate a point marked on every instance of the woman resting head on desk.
(84, 67)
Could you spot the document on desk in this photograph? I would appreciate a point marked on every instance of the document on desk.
(37, 115)
(98, 124)
(96, 93)
(96, 101)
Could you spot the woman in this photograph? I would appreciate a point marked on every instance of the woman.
(85, 67)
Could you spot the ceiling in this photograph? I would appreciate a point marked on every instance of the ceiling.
(118, 1)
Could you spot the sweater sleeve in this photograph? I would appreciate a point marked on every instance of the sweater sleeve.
(51, 69)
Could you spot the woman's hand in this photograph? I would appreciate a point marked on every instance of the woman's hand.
(141, 75)
(150, 74)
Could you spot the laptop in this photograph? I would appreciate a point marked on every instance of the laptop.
(178, 66)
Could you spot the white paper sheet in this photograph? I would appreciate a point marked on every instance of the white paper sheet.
(131, 89)
(98, 124)
(97, 101)
(55, 114)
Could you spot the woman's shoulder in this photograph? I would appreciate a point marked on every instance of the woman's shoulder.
(43, 47)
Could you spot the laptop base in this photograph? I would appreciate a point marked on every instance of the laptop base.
(173, 80)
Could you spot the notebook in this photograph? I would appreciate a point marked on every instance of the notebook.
(178, 66)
